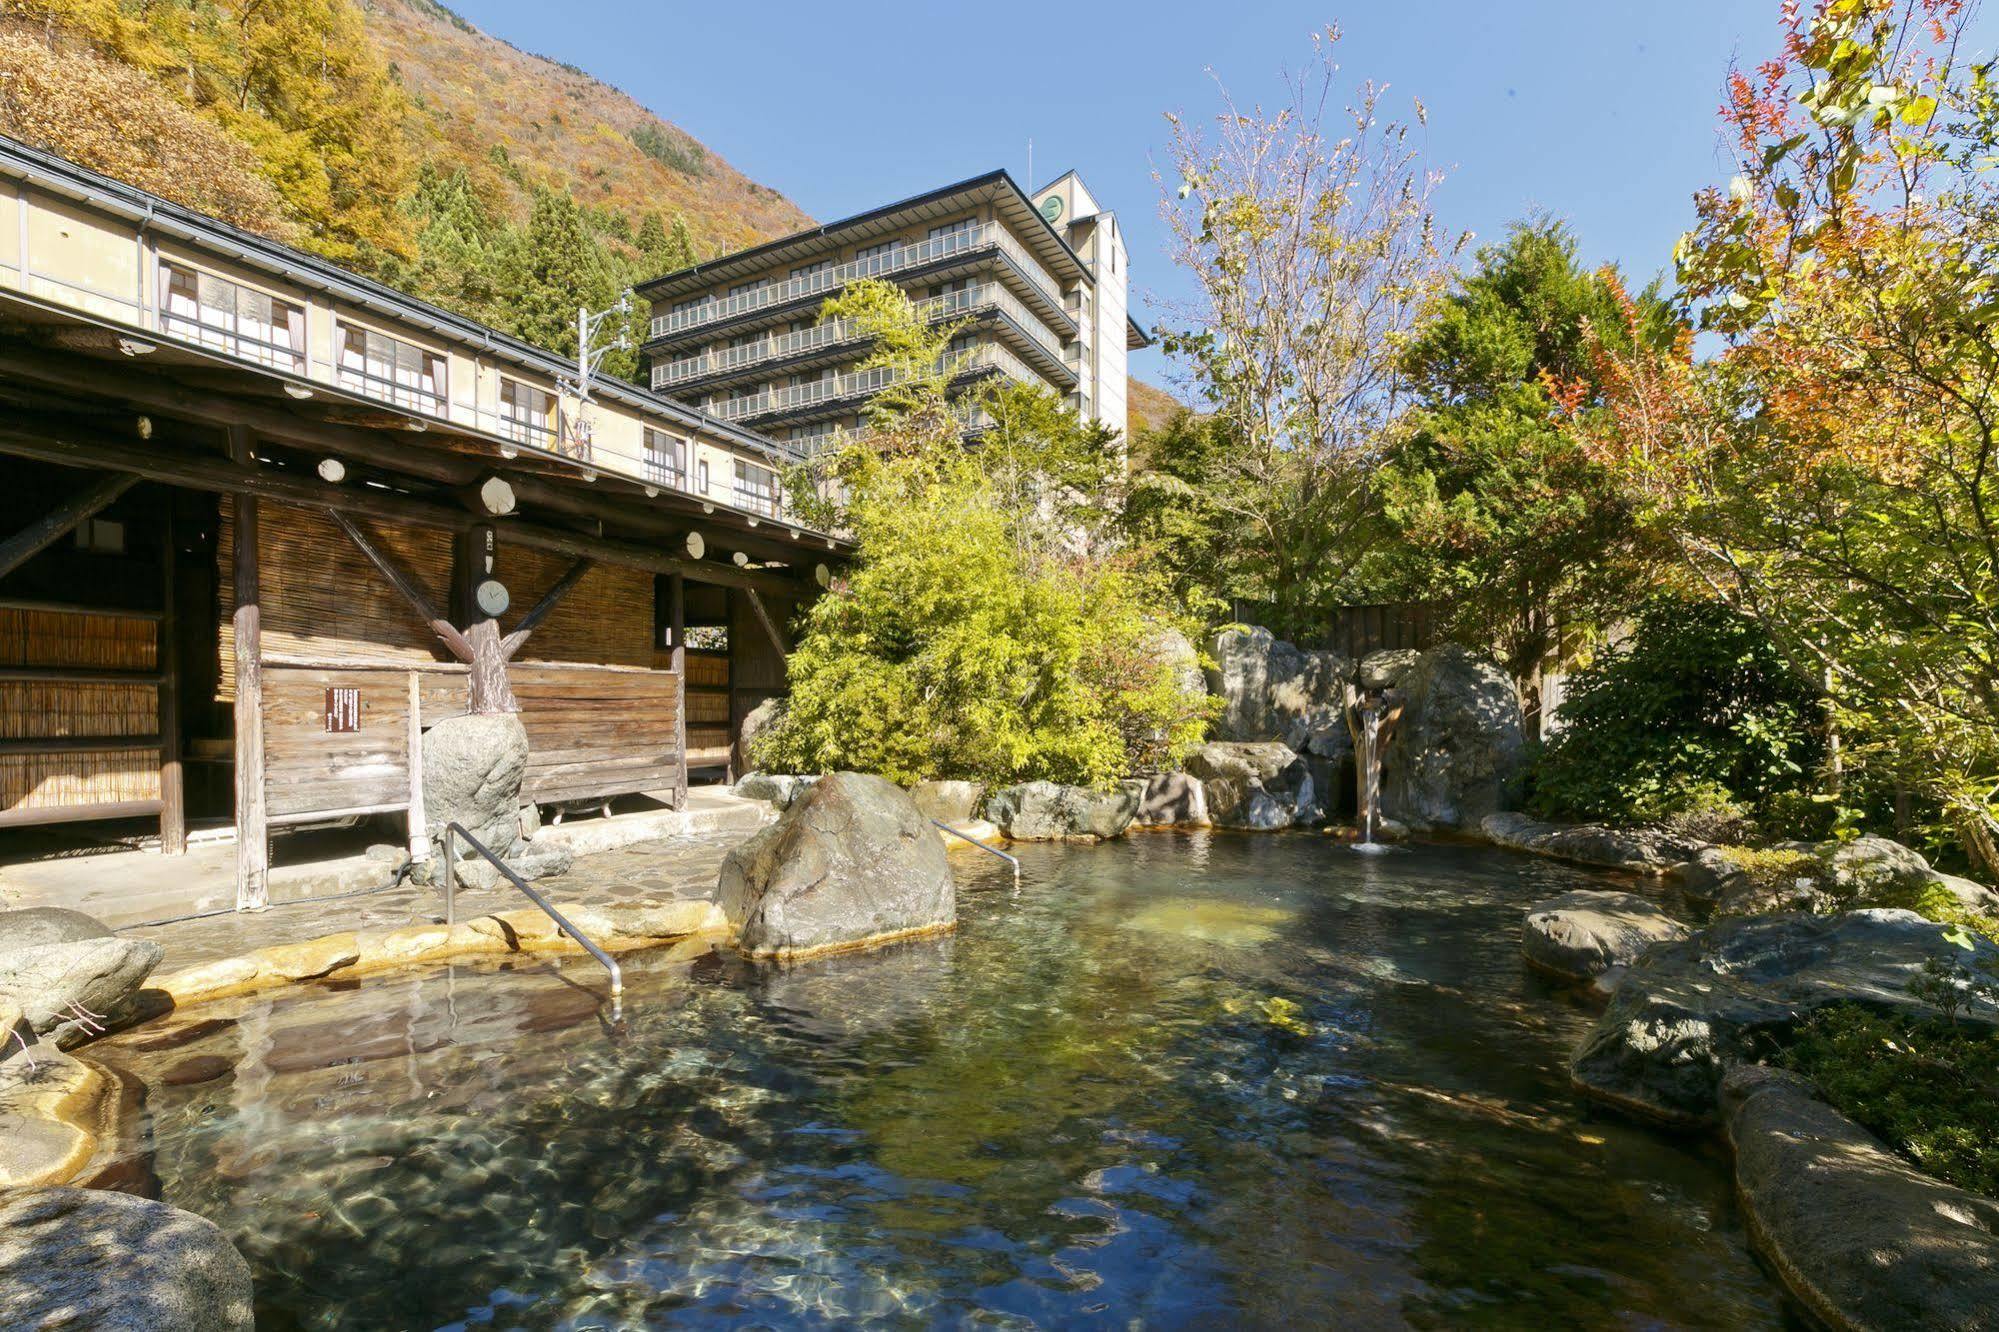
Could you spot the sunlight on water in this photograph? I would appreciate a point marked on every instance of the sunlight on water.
(1178, 1081)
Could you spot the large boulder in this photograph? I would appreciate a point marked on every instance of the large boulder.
(1051, 812)
(1581, 935)
(773, 788)
(1273, 690)
(111, 1262)
(948, 802)
(1459, 746)
(472, 771)
(1385, 669)
(1638, 850)
(98, 973)
(1261, 785)
(1172, 800)
(1869, 865)
(1861, 1237)
(1687, 1012)
(850, 863)
(30, 926)
(758, 722)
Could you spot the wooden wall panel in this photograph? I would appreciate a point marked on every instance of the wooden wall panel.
(56, 710)
(310, 770)
(597, 731)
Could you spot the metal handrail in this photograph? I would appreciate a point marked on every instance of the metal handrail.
(989, 850)
(453, 831)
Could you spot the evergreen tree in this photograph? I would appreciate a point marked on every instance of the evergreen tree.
(549, 268)
(1503, 519)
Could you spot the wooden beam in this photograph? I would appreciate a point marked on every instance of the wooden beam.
(253, 832)
(676, 623)
(173, 795)
(149, 390)
(513, 642)
(409, 591)
(770, 625)
(60, 521)
(215, 475)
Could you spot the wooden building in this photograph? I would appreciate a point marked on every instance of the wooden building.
(263, 522)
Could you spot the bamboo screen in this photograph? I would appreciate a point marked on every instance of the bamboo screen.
(323, 601)
(605, 620)
(49, 710)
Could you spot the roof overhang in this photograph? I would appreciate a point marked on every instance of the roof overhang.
(283, 262)
(997, 188)
(53, 349)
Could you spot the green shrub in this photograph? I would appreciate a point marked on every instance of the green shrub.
(1697, 718)
(1927, 1087)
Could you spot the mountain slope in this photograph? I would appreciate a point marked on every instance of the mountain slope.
(343, 108)
(513, 120)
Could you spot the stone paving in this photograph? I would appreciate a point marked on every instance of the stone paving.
(669, 868)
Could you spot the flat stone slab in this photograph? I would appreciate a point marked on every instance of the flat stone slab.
(1688, 1011)
(1863, 1239)
(1583, 934)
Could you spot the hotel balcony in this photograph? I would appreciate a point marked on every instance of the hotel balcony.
(800, 403)
(940, 257)
(837, 340)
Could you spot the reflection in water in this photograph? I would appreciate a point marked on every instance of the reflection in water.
(1182, 1081)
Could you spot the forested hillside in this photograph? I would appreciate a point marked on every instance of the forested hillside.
(392, 137)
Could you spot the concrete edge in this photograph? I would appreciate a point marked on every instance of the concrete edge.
(616, 928)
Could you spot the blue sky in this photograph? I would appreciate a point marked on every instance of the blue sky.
(1599, 111)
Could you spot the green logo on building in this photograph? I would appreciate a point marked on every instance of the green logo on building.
(1051, 208)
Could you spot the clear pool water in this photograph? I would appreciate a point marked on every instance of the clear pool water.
(1178, 1081)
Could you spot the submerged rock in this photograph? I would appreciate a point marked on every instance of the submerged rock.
(1051, 812)
(55, 1109)
(851, 862)
(1263, 786)
(1459, 747)
(1172, 800)
(472, 771)
(1583, 934)
(1861, 1238)
(1687, 1012)
(110, 1262)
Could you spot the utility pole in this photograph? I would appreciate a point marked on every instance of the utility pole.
(589, 356)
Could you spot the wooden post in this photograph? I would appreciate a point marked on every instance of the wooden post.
(676, 622)
(173, 801)
(490, 693)
(253, 847)
(419, 831)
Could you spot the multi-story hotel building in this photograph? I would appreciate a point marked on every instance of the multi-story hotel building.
(1040, 282)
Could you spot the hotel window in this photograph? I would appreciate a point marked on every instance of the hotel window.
(214, 312)
(874, 258)
(701, 474)
(807, 270)
(666, 459)
(527, 414)
(756, 488)
(391, 370)
(963, 224)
